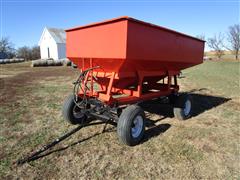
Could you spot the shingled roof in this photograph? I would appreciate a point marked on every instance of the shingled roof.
(58, 35)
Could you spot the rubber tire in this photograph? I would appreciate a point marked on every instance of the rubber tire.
(125, 124)
(178, 109)
(172, 98)
(67, 111)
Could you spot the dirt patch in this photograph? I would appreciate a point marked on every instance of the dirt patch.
(9, 85)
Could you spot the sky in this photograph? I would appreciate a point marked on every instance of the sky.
(23, 21)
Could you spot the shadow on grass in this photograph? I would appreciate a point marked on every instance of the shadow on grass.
(47, 152)
(155, 131)
(73, 144)
(163, 109)
(201, 103)
(149, 133)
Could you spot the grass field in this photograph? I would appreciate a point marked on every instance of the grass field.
(203, 147)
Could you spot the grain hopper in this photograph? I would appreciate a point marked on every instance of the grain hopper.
(123, 62)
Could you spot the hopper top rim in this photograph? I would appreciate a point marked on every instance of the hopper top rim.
(133, 20)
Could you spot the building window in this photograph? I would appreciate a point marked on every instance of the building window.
(48, 52)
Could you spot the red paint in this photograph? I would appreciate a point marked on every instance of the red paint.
(130, 52)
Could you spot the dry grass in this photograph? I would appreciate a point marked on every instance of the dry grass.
(227, 56)
(204, 147)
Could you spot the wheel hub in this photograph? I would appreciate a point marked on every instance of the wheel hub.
(187, 108)
(78, 112)
(137, 126)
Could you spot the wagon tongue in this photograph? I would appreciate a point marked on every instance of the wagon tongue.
(39, 153)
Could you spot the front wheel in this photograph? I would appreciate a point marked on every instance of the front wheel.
(71, 112)
(183, 107)
(131, 125)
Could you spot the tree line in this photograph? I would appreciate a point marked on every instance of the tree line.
(7, 51)
(229, 41)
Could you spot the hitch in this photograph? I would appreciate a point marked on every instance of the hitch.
(38, 153)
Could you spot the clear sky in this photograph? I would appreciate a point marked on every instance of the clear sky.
(24, 20)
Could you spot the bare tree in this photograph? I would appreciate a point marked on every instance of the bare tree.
(233, 37)
(35, 52)
(216, 43)
(6, 48)
(24, 52)
(29, 53)
(201, 36)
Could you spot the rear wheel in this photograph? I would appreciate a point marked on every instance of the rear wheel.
(172, 98)
(131, 125)
(71, 112)
(183, 107)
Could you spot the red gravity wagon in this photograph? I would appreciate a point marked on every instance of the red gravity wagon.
(123, 62)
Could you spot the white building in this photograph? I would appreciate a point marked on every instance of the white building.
(53, 43)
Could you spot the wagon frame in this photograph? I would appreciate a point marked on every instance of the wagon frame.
(167, 86)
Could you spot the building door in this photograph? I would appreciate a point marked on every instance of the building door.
(48, 52)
